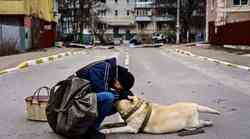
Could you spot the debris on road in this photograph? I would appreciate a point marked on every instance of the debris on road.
(104, 47)
(191, 132)
(145, 45)
(79, 45)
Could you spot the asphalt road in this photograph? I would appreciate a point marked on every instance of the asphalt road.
(161, 76)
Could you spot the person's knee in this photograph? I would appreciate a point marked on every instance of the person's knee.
(110, 97)
(106, 97)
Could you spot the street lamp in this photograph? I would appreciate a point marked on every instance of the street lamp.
(178, 23)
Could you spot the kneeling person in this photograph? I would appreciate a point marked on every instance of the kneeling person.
(111, 82)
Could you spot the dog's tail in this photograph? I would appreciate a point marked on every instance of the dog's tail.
(205, 109)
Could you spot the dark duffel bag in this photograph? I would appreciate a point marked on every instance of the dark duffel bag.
(72, 108)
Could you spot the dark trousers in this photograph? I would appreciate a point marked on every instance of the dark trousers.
(105, 101)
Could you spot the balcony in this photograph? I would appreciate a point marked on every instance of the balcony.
(143, 19)
(164, 18)
(145, 4)
(118, 20)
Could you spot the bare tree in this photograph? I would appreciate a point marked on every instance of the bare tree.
(191, 10)
(91, 9)
(187, 10)
(85, 14)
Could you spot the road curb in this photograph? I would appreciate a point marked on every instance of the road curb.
(42, 60)
(183, 52)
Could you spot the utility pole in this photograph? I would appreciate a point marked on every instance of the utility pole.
(1, 35)
(207, 20)
(178, 23)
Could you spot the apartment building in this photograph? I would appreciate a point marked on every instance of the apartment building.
(119, 17)
(151, 16)
(229, 22)
(123, 17)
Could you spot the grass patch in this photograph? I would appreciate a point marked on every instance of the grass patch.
(39, 61)
(3, 72)
(232, 65)
(59, 56)
(23, 65)
(51, 58)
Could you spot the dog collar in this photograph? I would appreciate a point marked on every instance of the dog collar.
(149, 111)
(137, 106)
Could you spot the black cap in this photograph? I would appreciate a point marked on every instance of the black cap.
(125, 78)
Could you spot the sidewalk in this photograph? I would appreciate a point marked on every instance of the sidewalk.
(13, 60)
(231, 56)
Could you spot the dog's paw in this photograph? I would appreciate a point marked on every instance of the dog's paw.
(104, 131)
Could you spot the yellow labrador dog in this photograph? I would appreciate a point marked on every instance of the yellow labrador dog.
(141, 116)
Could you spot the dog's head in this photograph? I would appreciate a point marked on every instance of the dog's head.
(126, 105)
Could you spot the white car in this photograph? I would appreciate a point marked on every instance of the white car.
(158, 38)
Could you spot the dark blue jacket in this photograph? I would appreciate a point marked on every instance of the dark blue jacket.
(101, 75)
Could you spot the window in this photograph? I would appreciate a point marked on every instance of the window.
(116, 1)
(127, 12)
(116, 31)
(244, 2)
(116, 12)
(240, 2)
(143, 12)
(142, 26)
(103, 13)
(103, 1)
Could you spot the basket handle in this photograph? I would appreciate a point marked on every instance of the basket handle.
(37, 92)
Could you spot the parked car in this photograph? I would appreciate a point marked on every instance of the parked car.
(135, 40)
(159, 38)
(68, 38)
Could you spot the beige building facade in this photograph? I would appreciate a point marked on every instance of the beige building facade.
(135, 16)
(229, 21)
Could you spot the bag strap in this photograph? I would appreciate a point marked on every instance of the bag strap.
(52, 90)
(37, 92)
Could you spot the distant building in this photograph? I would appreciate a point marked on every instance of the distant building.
(119, 17)
(123, 17)
(151, 16)
(229, 22)
(30, 23)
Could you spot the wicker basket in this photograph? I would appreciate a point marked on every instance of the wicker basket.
(36, 105)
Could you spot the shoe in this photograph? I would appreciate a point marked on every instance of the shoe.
(92, 133)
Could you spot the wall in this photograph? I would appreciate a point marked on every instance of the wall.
(42, 9)
(11, 29)
(122, 6)
(236, 28)
(8, 7)
(231, 33)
